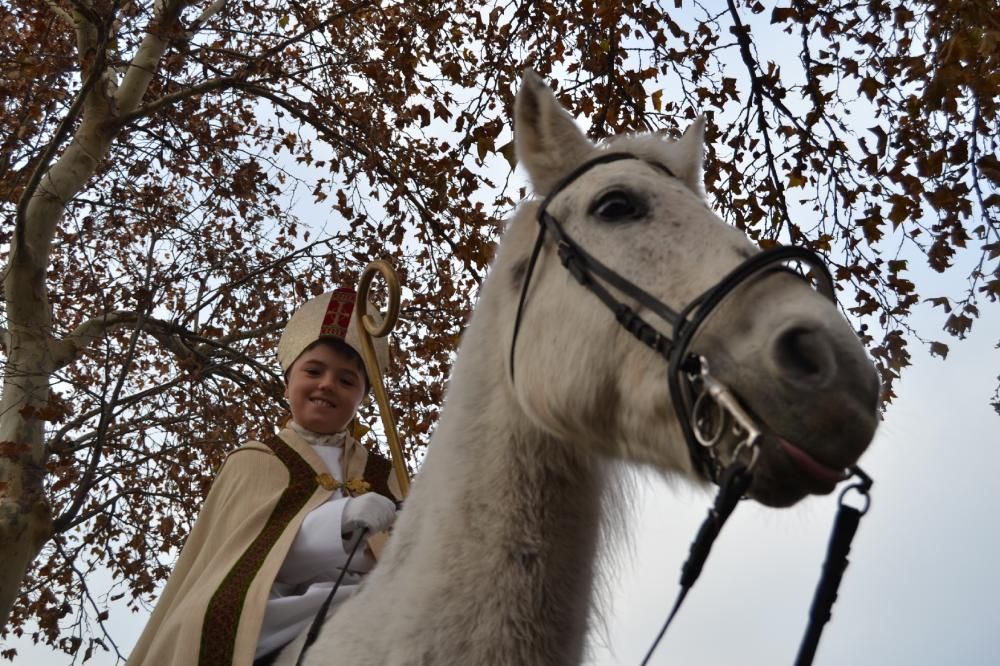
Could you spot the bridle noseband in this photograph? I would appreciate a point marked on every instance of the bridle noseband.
(703, 405)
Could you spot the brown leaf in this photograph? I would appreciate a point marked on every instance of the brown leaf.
(869, 86)
(939, 349)
(940, 301)
(958, 325)
(782, 14)
(509, 153)
(993, 250)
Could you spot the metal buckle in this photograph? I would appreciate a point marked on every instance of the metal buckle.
(862, 487)
(715, 408)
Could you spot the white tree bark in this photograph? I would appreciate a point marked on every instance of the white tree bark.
(32, 352)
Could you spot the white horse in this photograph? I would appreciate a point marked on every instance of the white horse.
(492, 560)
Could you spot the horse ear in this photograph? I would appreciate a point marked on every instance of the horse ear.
(690, 152)
(548, 142)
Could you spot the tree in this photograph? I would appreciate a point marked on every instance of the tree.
(177, 175)
(152, 254)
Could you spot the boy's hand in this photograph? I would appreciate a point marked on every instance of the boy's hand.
(370, 510)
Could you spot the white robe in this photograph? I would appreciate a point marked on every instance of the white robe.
(211, 610)
(314, 561)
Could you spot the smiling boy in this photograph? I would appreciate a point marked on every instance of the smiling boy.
(277, 526)
(325, 385)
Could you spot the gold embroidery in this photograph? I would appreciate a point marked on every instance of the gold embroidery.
(357, 486)
(222, 615)
(353, 486)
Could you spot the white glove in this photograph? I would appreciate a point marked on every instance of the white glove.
(370, 510)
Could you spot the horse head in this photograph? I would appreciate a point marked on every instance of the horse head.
(782, 349)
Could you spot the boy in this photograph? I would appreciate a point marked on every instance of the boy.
(277, 526)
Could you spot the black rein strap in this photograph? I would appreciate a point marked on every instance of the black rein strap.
(732, 486)
(834, 566)
(317, 622)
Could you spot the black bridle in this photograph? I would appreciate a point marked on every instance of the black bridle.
(684, 323)
(701, 402)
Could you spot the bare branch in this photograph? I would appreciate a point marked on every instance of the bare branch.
(86, 10)
(265, 268)
(335, 138)
(90, 599)
(86, 479)
(203, 18)
(59, 445)
(133, 399)
(174, 97)
(225, 82)
(61, 13)
(67, 350)
(757, 92)
(147, 57)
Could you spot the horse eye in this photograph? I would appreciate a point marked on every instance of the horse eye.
(617, 206)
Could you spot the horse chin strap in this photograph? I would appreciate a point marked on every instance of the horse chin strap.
(704, 406)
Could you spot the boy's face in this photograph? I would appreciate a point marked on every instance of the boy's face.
(324, 389)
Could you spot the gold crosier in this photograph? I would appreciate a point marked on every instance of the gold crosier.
(370, 329)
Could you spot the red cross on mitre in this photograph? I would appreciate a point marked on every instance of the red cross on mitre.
(338, 313)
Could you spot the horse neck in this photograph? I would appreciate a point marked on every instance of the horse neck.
(506, 516)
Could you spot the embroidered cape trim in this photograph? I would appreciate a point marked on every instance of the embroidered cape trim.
(218, 635)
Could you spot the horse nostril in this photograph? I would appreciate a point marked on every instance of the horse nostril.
(804, 355)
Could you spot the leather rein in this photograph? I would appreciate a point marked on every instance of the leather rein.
(704, 406)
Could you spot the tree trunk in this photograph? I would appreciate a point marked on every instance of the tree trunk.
(25, 517)
(24, 513)
(25, 521)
